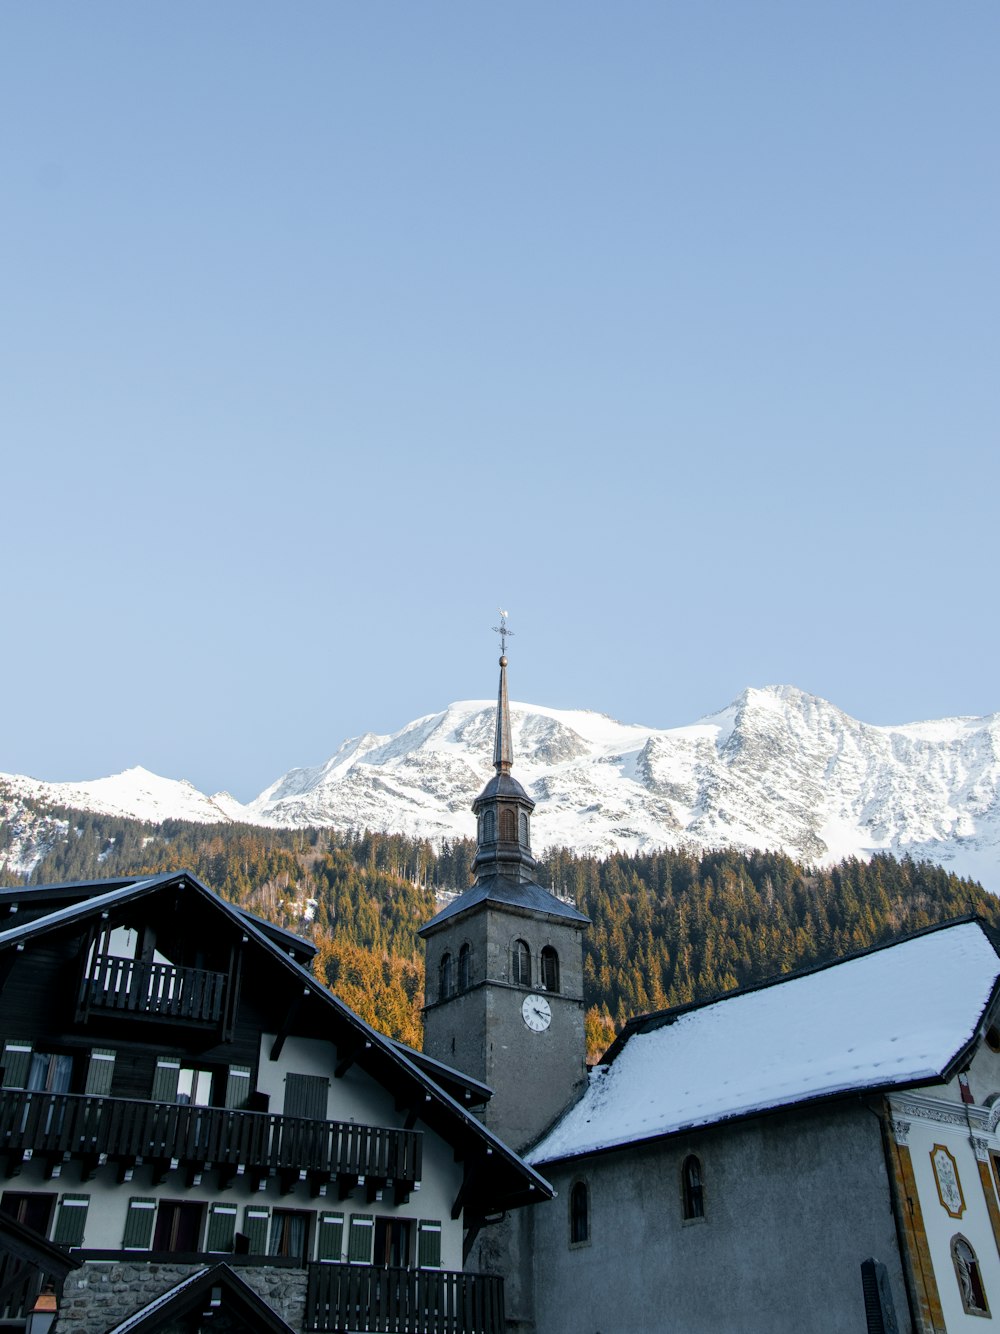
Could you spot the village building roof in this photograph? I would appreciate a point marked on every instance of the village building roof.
(895, 1016)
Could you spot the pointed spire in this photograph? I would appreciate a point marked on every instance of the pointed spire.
(503, 751)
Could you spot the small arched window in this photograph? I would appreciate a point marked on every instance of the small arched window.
(445, 978)
(579, 1214)
(550, 969)
(970, 1282)
(521, 964)
(489, 827)
(524, 828)
(464, 964)
(692, 1188)
(508, 826)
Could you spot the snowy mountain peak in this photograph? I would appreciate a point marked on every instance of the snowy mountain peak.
(777, 768)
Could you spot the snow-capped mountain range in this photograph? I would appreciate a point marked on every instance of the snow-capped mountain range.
(777, 769)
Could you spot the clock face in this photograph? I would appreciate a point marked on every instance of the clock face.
(536, 1013)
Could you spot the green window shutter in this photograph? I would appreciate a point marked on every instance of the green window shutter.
(16, 1063)
(306, 1095)
(221, 1227)
(330, 1244)
(237, 1085)
(362, 1237)
(100, 1071)
(428, 1244)
(168, 1072)
(139, 1224)
(71, 1220)
(255, 1219)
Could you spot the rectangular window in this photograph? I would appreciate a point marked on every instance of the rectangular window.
(194, 1087)
(330, 1242)
(32, 1208)
(178, 1226)
(306, 1095)
(290, 1234)
(71, 1220)
(429, 1244)
(392, 1242)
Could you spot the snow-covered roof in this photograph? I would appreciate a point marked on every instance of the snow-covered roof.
(895, 1016)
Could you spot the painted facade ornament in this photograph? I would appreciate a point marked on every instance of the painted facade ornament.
(949, 1187)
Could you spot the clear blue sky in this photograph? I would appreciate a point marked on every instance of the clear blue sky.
(328, 327)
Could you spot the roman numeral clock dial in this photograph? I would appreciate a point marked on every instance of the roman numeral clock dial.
(536, 1013)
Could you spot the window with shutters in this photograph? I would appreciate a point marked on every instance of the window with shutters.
(290, 1234)
(50, 1072)
(71, 1220)
(221, 1234)
(550, 969)
(360, 1239)
(520, 969)
(579, 1214)
(306, 1095)
(464, 966)
(970, 1280)
(692, 1189)
(32, 1208)
(139, 1222)
(330, 1238)
(194, 1087)
(178, 1226)
(256, 1221)
(429, 1243)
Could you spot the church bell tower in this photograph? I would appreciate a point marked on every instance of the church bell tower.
(505, 964)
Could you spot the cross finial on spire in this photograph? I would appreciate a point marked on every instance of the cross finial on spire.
(503, 631)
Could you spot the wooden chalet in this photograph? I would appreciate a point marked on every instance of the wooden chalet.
(178, 1091)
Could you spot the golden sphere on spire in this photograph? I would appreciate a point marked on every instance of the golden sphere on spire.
(503, 661)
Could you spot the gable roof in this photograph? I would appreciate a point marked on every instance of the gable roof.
(502, 891)
(896, 1016)
(503, 1180)
(230, 1291)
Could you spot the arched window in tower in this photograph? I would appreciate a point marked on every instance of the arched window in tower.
(464, 966)
(489, 827)
(550, 969)
(521, 964)
(970, 1282)
(508, 826)
(446, 984)
(579, 1214)
(524, 828)
(692, 1188)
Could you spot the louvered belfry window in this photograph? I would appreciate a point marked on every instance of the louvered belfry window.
(550, 969)
(521, 964)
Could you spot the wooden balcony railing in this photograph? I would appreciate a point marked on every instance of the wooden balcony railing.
(156, 990)
(172, 1134)
(20, 1285)
(402, 1301)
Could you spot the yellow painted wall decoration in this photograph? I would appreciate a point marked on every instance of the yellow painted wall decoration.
(949, 1187)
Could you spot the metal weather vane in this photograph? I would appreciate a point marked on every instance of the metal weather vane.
(503, 631)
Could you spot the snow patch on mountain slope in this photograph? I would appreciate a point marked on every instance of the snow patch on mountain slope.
(136, 794)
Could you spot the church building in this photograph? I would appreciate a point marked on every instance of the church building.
(817, 1153)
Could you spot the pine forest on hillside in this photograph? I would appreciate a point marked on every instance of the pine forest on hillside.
(668, 927)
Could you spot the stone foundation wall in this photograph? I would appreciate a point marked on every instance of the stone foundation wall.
(100, 1295)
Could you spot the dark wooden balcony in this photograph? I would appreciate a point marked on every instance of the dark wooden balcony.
(152, 990)
(174, 1136)
(367, 1299)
